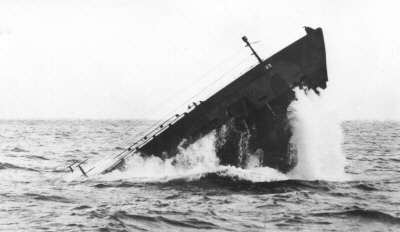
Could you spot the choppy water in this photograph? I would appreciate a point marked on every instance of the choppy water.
(154, 196)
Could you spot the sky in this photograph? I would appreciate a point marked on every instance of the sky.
(121, 59)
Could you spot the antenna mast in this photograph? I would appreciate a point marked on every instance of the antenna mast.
(244, 38)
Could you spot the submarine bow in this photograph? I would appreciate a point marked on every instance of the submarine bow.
(256, 104)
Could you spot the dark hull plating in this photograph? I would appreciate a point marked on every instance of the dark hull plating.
(252, 109)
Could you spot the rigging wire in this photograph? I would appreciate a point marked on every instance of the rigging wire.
(189, 101)
(121, 155)
(162, 104)
(158, 107)
(165, 102)
(152, 127)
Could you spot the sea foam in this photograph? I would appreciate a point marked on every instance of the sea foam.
(191, 163)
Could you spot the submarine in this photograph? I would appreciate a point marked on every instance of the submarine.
(249, 115)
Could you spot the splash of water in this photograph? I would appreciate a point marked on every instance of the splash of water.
(317, 135)
(198, 158)
(191, 163)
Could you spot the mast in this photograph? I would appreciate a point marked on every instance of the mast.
(244, 38)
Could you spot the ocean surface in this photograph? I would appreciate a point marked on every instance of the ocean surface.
(353, 187)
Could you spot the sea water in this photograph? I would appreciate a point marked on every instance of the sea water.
(347, 179)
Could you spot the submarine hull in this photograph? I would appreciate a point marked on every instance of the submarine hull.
(250, 114)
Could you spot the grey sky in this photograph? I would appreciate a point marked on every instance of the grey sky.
(119, 59)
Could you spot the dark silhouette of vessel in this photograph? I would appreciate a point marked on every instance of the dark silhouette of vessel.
(249, 115)
(255, 106)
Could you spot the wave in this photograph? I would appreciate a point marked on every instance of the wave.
(47, 198)
(82, 207)
(365, 215)
(152, 222)
(117, 184)
(223, 179)
(16, 149)
(213, 181)
(366, 187)
(11, 166)
(36, 157)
